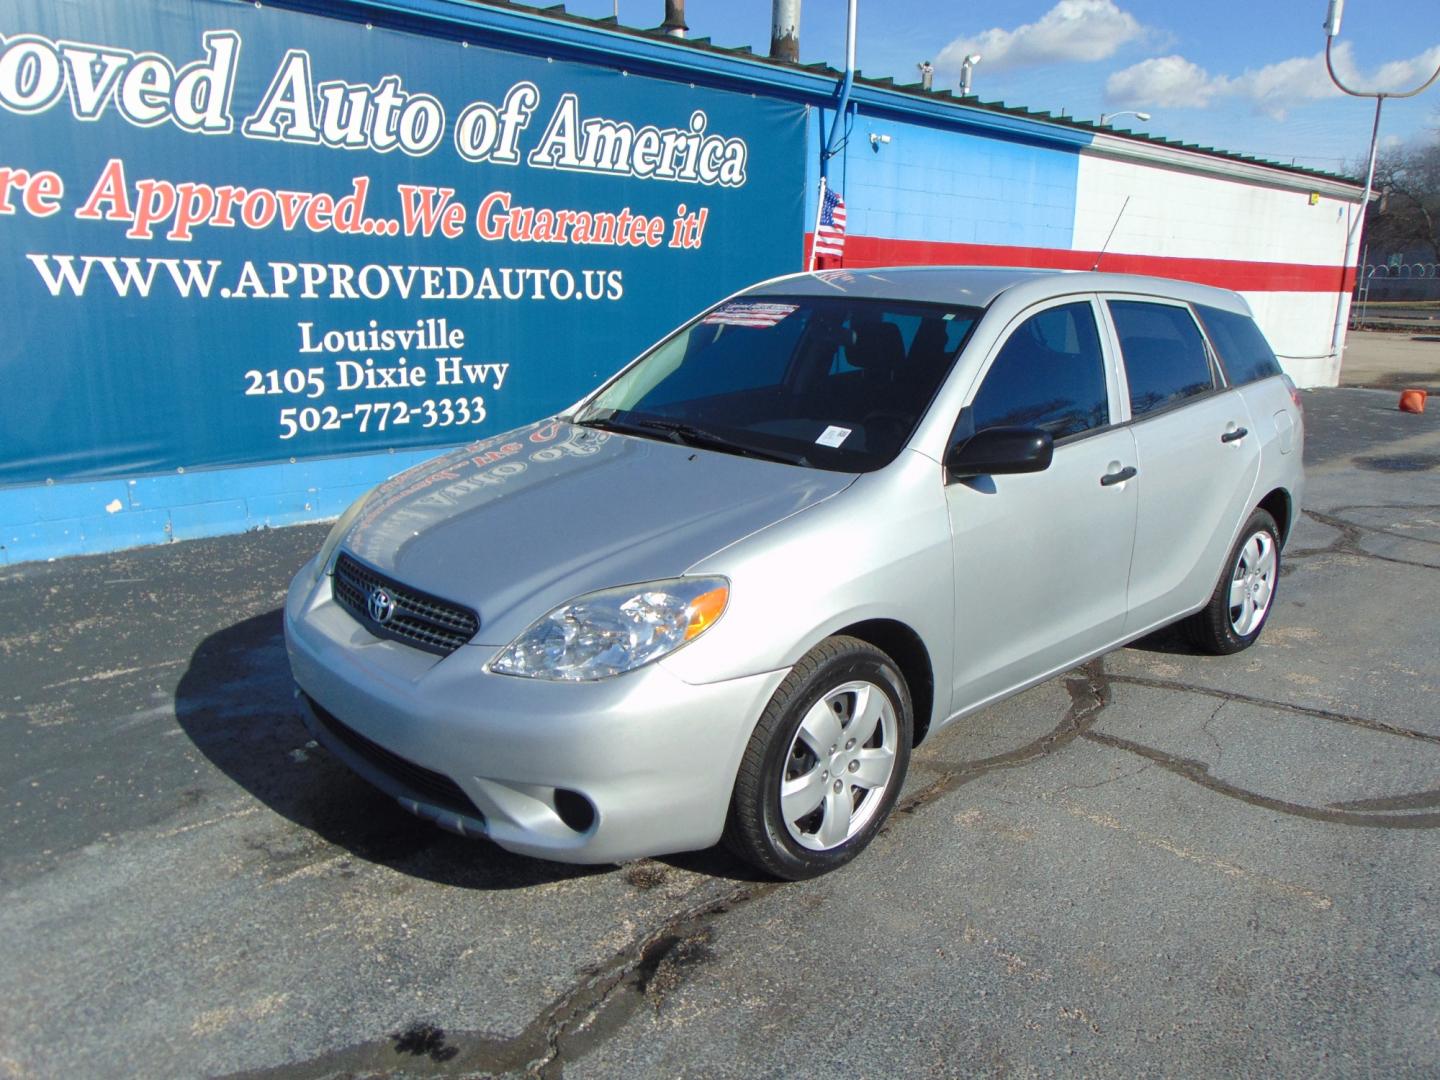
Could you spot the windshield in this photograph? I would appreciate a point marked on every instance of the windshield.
(830, 382)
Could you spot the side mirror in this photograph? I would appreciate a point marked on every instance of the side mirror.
(1001, 450)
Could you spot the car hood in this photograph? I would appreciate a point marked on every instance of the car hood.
(525, 521)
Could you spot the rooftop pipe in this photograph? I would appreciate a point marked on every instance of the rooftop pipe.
(785, 30)
(674, 24)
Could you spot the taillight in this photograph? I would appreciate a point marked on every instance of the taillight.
(1294, 393)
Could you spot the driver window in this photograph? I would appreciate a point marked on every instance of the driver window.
(1050, 374)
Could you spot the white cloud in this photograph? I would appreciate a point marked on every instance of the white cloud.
(1405, 75)
(1072, 31)
(1273, 90)
(1277, 88)
(1165, 82)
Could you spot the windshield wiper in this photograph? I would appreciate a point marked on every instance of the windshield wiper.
(690, 435)
(607, 423)
(677, 431)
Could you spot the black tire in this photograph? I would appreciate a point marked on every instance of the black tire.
(756, 829)
(1214, 627)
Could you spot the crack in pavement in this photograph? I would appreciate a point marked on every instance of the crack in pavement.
(1365, 813)
(1228, 696)
(1199, 773)
(1351, 534)
(1205, 727)
(1146, 767)
(1089, 695)
(1415, 801)
(587, 1013)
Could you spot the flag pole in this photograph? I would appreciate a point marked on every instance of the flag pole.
(815, 233)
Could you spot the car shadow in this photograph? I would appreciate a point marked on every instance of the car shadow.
(1168, 639)
(236, 703)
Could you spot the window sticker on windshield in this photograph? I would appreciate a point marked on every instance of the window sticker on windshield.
(833, 436)
(751, 314)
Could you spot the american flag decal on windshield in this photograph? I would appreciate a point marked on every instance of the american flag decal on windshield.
(755, 315)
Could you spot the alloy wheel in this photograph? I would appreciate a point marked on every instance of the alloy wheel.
(839, 765)
(1252, 584)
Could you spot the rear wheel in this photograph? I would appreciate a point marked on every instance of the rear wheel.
(825, 763)
(1245, 594)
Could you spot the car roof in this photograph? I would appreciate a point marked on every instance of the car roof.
(979, 286)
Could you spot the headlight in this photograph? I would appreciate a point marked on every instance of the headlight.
(337, 533)
(606, 633)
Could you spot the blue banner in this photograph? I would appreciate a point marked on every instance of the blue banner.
(241, 234)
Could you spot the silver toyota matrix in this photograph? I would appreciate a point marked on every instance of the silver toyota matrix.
(724, 595)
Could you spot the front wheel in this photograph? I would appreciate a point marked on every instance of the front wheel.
(825, 763)
(1245, 594)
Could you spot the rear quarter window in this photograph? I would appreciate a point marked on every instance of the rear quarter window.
(1244, 353)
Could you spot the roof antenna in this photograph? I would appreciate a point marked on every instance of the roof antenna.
(1112, 234)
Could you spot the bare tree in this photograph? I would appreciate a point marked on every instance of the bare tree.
(1407, 215)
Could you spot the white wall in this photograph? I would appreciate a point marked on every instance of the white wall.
(1274, 231)
(1300, 326)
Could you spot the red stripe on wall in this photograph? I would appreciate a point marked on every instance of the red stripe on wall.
(1242, 276)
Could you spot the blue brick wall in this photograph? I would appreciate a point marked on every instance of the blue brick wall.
(948, 184)
(51, 520)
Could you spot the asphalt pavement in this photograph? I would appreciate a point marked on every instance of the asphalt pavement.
(1393, 360)
(1157, 864)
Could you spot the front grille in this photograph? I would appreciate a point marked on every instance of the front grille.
(424, 621)
(422, 783)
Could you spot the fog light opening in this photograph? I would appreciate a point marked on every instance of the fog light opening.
(574, 809)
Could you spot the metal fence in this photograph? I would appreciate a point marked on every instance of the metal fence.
(1390, 281)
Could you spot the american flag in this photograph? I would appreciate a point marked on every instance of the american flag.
(830, 232)
(759, 316)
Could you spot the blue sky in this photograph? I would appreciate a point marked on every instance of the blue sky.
(1242, 76)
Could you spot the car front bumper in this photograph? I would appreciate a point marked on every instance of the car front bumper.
(653, 756)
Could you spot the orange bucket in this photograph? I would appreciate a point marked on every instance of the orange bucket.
(1412, 401)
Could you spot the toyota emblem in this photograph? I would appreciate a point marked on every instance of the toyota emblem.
(381, 605)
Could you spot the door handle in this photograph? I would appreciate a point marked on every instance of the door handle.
(1231, 436)
(1118, 477)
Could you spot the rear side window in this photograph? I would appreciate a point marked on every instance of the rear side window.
(1244, 353)
(1165, 357)
(1050, 374)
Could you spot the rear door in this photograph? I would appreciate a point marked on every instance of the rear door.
(1041, 559)
(1196, 452)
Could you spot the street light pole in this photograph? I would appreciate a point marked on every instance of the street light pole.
(1352, 236)
(1143, 117)
(842, 103)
